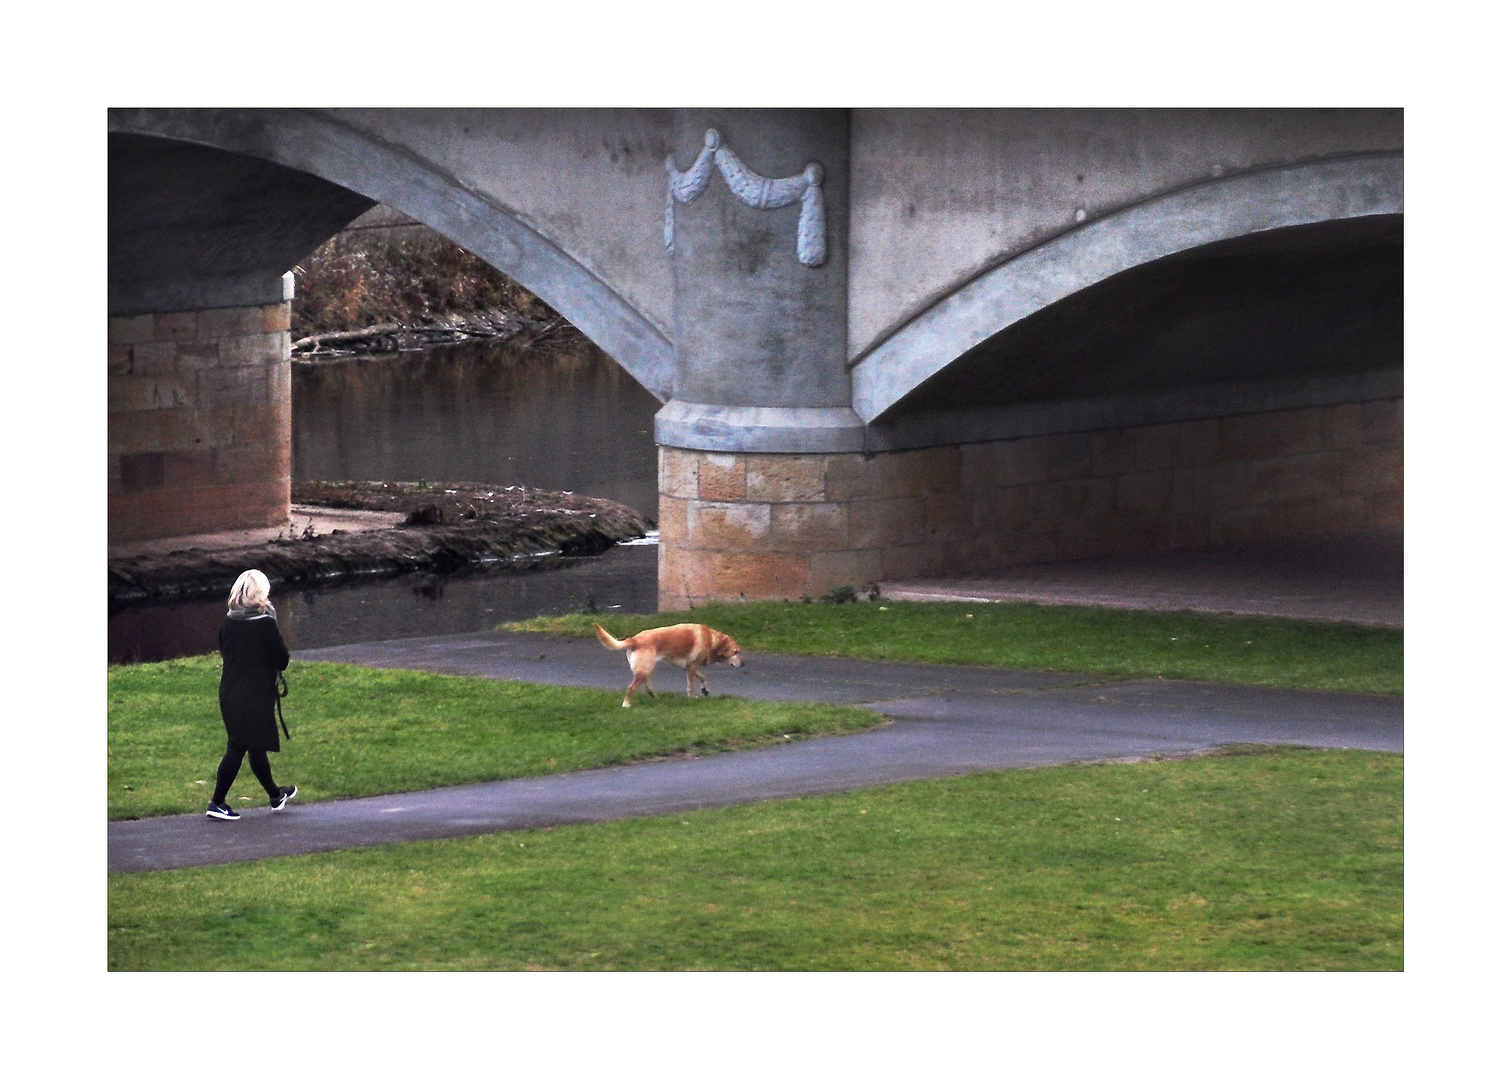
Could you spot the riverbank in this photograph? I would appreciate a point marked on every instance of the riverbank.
(428, 526)
(406, 290)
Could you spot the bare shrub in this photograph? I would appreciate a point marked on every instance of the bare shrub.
(409, 282)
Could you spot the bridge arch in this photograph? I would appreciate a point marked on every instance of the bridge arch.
(1227, 209)
(378, 172)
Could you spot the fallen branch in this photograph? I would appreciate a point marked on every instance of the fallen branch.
(315, 341)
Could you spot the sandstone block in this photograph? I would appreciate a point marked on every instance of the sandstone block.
(1070, 455)
(722, 477)
(1372, 469)
(979, 471)
(1242, 524)
(1344, 514)
(252, 349)
(858, 569)
(1343, 426)
(1155, 447)
(120, 359)
(785, 477)
(1227, 484)
(672, 520)
(677, 473)
(852, 476)
(1381, 422)
(947, 517)
(1086, 500)
(729, 526)
(192, 469)
(866, 523)
(1029, 546)
(810, 527)
(903, 522)
(682, 573)
(1386, 510)
(757, 575)
(913, 561)
(1300, 476)
(175, 326)
(233, 385)
(1022, 461)
(132, 393)
(145, 515)
(129, 329)
(152, 430)
(1114, 452)
(1275, 434)
(1197, 443)
(230, 322)
(912, 473)
(275, 318)
(154, 358)
(1292, 518)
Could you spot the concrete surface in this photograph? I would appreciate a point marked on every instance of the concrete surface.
(1357, 579)
(967, 221)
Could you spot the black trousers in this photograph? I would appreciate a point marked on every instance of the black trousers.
(231, 765)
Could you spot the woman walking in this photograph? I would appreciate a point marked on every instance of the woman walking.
(252, 656)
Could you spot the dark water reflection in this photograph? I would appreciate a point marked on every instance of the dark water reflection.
(404, 605)
(565, 419)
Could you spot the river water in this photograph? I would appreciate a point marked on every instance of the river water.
(565, 418)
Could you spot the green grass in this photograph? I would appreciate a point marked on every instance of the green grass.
(1105, 641)
(359, 731)
(1277, 859)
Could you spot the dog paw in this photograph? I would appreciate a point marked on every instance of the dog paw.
(705, 691)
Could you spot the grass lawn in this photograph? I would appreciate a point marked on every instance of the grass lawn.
(1260, 860)
(1106, 641)
(358, 731)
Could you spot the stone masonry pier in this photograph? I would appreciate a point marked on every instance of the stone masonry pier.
(774, 526)
(199, 421)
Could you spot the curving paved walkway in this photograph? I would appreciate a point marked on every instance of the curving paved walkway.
(945, 722)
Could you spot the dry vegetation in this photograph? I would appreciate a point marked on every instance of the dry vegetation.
(407, 283)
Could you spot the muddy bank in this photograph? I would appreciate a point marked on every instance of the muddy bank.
(446, 526)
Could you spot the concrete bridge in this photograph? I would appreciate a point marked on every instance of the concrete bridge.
(889, 343)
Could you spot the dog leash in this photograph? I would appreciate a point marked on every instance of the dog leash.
(283, 692)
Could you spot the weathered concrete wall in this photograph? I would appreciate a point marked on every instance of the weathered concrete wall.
(940, 195)
(569, 202)
(778, 526)
(199, 421)
(591, 180)
(382, 224)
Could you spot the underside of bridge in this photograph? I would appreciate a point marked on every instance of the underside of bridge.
(1311, 301)
(1242, 391)
(1214, 361)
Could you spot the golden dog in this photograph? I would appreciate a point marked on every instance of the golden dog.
(688, 645)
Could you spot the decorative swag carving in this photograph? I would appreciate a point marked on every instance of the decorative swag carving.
(753, 189)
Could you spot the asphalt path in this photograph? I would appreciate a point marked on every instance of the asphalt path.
(945, 721)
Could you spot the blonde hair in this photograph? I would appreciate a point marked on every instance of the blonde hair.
(250, 591)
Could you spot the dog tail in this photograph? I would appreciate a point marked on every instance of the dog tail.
(610, 642)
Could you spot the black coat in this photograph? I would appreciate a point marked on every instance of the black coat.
(252, 655)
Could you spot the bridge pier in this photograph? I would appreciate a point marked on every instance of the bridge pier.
(199, 421)
(780, 526)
